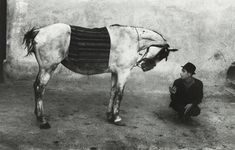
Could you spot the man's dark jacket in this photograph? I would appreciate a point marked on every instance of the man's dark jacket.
(184, 96)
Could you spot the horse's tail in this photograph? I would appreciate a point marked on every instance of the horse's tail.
(29, 40)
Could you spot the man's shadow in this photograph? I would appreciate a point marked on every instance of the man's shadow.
(169, 116)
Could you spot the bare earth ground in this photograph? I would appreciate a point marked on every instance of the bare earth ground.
(76, 112)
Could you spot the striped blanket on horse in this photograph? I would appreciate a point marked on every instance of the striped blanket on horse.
(89, 48)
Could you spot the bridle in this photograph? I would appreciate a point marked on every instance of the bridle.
(138, 37)
(143, 58)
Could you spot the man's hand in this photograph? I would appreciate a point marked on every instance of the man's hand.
(187, 108)
(172, 90)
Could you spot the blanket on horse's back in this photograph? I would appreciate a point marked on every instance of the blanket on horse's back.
(89, 49)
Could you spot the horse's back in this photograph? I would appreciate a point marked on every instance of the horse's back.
(57, 31)
(53, 43)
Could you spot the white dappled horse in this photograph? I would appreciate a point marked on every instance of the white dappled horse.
(50, 45)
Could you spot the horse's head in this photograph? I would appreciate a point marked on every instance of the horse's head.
(155, 53)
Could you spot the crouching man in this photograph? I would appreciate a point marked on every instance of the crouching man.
(186, 93)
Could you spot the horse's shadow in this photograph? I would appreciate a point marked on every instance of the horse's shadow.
(76, 104)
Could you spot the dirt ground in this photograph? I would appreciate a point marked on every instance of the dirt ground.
(76, 112)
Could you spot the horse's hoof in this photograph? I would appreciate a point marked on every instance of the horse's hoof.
(45, 126)
(119, 123)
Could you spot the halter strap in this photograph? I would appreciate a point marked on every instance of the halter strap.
(138, 38)
(162, 46)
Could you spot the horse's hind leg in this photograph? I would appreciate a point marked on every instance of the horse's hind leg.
(39, 89)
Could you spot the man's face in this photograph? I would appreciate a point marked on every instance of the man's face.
(184, 74)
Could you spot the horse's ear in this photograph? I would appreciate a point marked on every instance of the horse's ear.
(172, 50)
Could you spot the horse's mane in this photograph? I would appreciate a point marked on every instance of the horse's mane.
(159, 34)
(118, 25)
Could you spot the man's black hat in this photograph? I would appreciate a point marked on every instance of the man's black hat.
(189, 67)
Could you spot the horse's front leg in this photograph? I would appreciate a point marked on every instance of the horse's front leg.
(121, 81)
(39, 89)
(110, 115)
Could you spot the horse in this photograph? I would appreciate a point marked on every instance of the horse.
(130, 47)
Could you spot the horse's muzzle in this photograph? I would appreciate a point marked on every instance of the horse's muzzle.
(148, 64)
